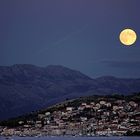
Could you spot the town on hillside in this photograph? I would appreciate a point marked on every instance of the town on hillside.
(100, 117)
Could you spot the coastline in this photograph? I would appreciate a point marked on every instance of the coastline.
(72, 137)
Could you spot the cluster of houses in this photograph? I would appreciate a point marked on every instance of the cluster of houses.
(100, 118)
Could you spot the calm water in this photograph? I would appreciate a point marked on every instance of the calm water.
(72, 138)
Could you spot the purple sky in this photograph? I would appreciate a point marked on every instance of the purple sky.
(79, 34)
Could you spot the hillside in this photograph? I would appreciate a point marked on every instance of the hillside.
(93, 116)
(25, 88)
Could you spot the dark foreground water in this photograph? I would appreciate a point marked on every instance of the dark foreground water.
(70, 138)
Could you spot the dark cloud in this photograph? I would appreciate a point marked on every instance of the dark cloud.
(122, 64)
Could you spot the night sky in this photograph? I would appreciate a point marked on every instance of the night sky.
(79, 34)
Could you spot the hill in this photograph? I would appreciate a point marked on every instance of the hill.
(25, 88)
(107, 115)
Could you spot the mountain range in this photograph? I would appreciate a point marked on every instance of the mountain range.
(25, 88)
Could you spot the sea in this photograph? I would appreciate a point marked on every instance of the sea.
(69, 138)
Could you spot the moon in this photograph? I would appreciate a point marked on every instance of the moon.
(128, 37)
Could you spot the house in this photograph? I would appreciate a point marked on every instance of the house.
(120, 102)
(69, 108)
(92, 103)
(115, 108)
(80, 108)
(98, 105)
(83, 104)
(38, 124)
(83, 119)
(121, 107)
(106, 113)
(121, 131)
(56, 132)
(102, 102)
(88, 106)
(108, 104)
(133, 104)
(27, 126)
(8, 132)
(21, 122)
(40, 116)
(47, 113)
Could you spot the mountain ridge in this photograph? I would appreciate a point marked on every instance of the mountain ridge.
(25, 87)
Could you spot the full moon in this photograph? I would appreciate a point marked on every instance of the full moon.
(128, 37)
